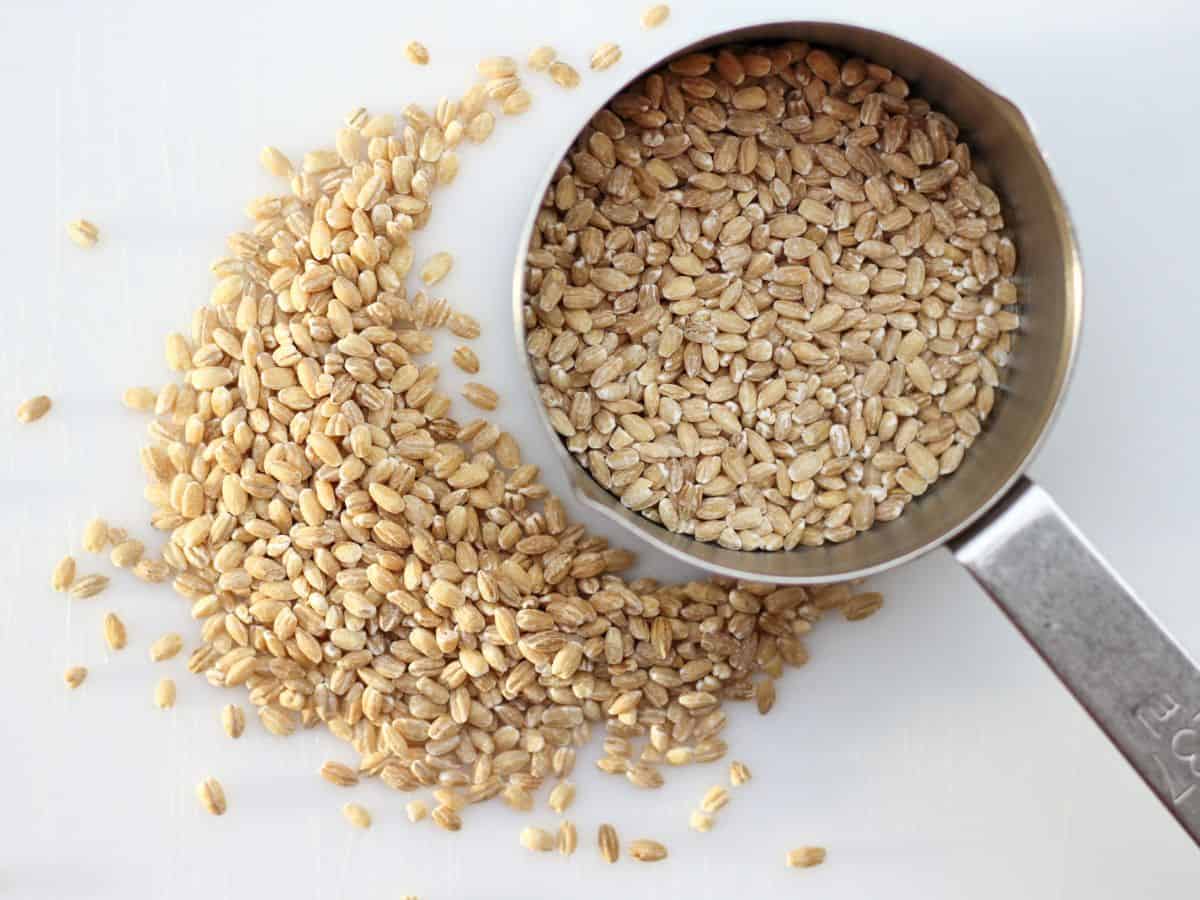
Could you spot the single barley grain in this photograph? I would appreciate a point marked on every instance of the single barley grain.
(166, 647)
(152, 571)
(480, 395)
(764, 695)
(114, 632)
(805, 857)
(646, 850)
(436, 268)
(536, 839)
(568, 838)
(610, 844)
(562, 796)
(715, 799)
(417, 53)
(447, 819)
(416, 810)
(141, 399)
(862, 605)
(95, 536)
(63, 574)
(88, 586)
(605, 56)
(164, 693)
(233, 720)
(655, 15)
(83, 232)
(466, 359)
(127, 554)
(497, 67)
(339, 773)
(517, 797)
(274, 161)
(701, 821)
(33, 409)
(450, 798)
(540, 58)
(739, 773)
(74, 676)
(211, 796)
(463, 325)
(356, 815)
(564, 74)
(517, 102)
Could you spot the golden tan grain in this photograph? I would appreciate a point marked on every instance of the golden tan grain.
(33, 409)
(95, 536)
(568, 838)
(655, 15)
(610, 844)
(561, 797)
(805, 857)
(74, 676)
(739, 773)
(701, 821)
(88, 586)
(497, 67)
(233, 720)
(860, 606)
(564, 74)
(275, 162)
(646, 850)
(339, 773)
(446, 818)
(164, 693)
(466, 359)
(211, 795)
(114, 632)
(166, 647)
(540, 58)
(605, 56)
(715, 799)
(141, 399)
(517, 102)
(127, 554)
(417, 53)
(64, 574)
(356, 815)
(416, 810)
(83, 232)
(480, 395)
(436, 268)
(537, 839)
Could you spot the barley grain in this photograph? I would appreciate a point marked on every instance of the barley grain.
(739, 773)
(536, 839)
(88, 586)
(480, 395)
(416, 810)
(164, 693)
(339, 773)
(562, 796)
(605, 56)
(417, 53)
(805, 857)
(465, 359)
(356, 815)
(568, 838)
(64, 574)
(447, 819)
(540, 58)
(74, 676)
(564, 74)
(497, 67)
(701, 821)
(517, 102)
(33, 409)
(166, 647)
(655, 15)
(83, 232)
(436, 268)
(610, 844)
(862, 605)
(114, 632)
(646, 850)
(127, 554)
(95, 536)
(233, 720)
(139, 398)
(275, 162)
(211, 796)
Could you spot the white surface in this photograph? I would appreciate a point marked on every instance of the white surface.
(928, 748)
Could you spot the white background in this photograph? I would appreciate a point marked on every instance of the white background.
(927, 748)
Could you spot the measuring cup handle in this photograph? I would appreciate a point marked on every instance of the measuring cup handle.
(1139, 685)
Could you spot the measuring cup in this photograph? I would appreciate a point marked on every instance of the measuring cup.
(1138, 684)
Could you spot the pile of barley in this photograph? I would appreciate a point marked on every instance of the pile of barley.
(356, 557)
(767, 297)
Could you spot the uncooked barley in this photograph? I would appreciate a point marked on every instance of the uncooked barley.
(790, 319)
(114, 632)
(447, 819)
(416, 810)
(655, 15)
(164, 693)
(141, 399)
(805, 857)
(211, 796)
(562, 796)
(166, 647)
(480, 395)
(436, 268)
(564, 74)
(862, 605)
(540, 58)
(63, 574)
(417, 53)
(466, 359)
(497, 67)
(568, 838)
(83, 232)
(275, 162)
(605, 56)
(646, 850)
(33, 409)
(88, 586)
(233, 720)
(339, 773)
(537, 839)
(356, 815)
(610, 844)
(95, 536)
(739, 773)
(74, 676)
(127, 554)
(701, 821)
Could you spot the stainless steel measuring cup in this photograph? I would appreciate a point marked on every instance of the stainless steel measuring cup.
(1134, 680)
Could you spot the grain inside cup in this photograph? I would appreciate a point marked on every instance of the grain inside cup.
(768, 298)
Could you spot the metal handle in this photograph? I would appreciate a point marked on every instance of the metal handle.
(1140, 686)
